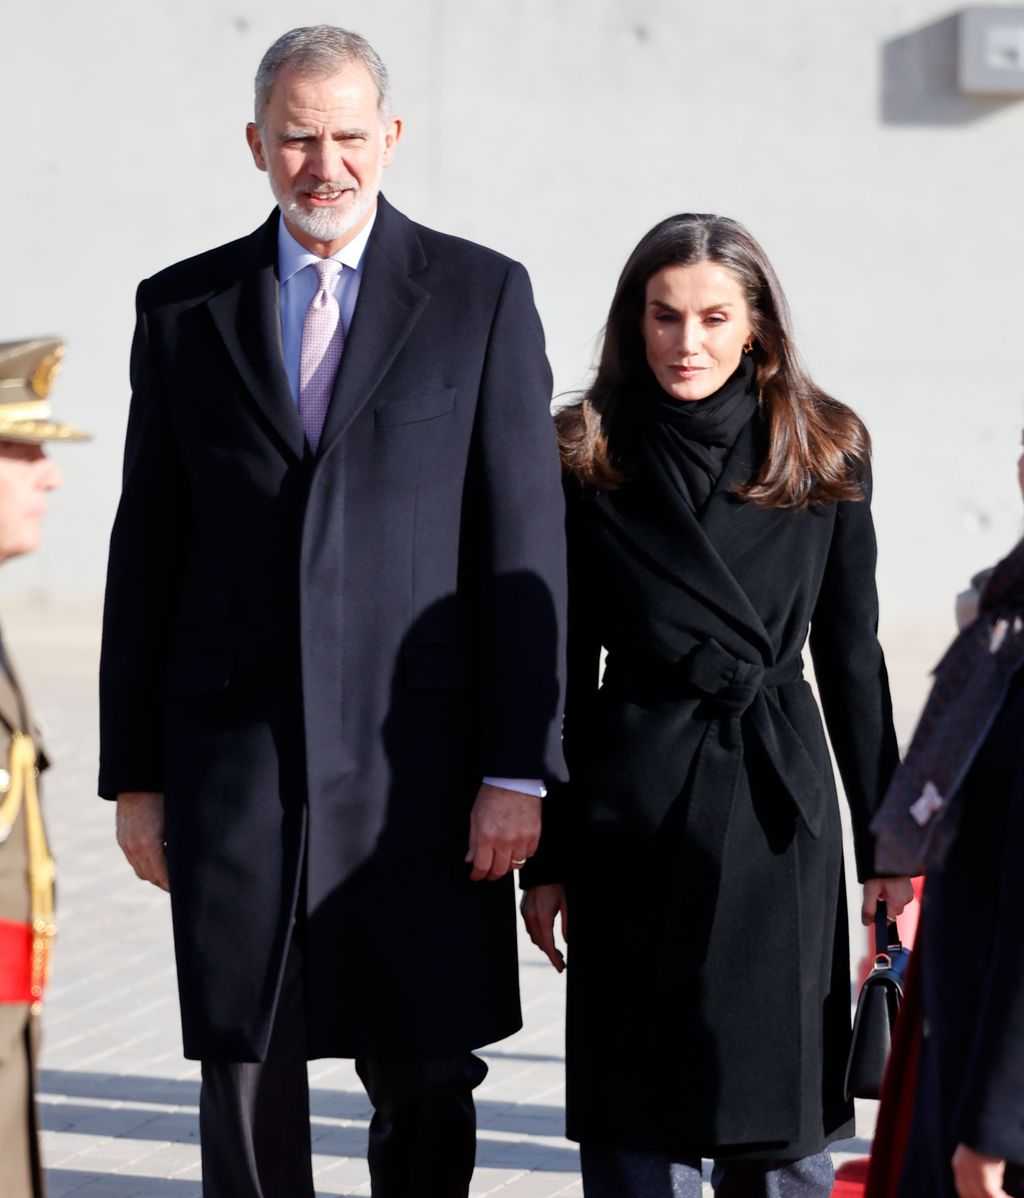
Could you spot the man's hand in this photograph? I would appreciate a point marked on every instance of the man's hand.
(540, 905)
(140, 833)
(977, 1176)
(504, 828)
(896, 892)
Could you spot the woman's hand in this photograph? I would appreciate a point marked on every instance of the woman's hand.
(976, 1175)
(540, 905)
(896, 893)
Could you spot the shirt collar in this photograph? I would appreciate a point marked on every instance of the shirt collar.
(292, 257)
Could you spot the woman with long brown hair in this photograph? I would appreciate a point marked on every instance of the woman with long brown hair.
(719, 510)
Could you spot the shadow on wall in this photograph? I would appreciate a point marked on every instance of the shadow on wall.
(919, 83)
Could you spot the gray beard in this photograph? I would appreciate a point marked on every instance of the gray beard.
(323, 224)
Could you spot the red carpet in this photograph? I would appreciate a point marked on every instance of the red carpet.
(850, 1179)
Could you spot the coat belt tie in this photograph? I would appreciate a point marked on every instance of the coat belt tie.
(24, 792)
(740, 695)
(742, 692)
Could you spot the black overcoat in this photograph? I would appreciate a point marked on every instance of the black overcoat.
(319, 657)
(970, 1081)
(709, 993)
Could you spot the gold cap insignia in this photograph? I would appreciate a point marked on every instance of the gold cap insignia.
(42, 378)
(28, 370)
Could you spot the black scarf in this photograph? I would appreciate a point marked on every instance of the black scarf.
(684, 443)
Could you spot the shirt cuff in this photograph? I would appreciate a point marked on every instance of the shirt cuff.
(525, 786)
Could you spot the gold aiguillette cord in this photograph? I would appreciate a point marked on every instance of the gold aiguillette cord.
(23, 790)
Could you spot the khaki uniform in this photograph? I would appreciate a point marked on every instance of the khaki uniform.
(27, 372)
(20, 1169)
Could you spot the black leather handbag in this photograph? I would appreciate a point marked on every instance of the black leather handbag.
(877, 1007)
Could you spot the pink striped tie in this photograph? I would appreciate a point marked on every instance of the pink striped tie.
(323, 339)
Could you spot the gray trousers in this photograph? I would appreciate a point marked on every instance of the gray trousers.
(620, 1173)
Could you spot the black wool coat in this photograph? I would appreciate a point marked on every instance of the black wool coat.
(317, 658)
(970, 1081)
(708, 981)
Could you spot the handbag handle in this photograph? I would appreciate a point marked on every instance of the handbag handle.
(887, 936)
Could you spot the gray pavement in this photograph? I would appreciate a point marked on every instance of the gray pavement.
(119, 1104)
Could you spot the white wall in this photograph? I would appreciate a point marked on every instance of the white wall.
(559, 132)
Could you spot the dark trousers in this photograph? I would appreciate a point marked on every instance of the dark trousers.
(254, 1118)
(621, 1173)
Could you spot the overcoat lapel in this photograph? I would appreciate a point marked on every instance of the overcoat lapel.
(686, 547)
(732, 525)
(390, 303)
(247, 315)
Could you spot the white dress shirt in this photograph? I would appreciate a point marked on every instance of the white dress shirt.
(298, 284)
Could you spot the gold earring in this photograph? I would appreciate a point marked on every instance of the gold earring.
(749, 347)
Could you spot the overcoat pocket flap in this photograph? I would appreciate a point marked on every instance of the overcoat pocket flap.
(210, 604)
(437, 667)
(410, 411)
(196, 673)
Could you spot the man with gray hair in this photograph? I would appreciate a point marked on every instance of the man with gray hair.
(331, 681)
